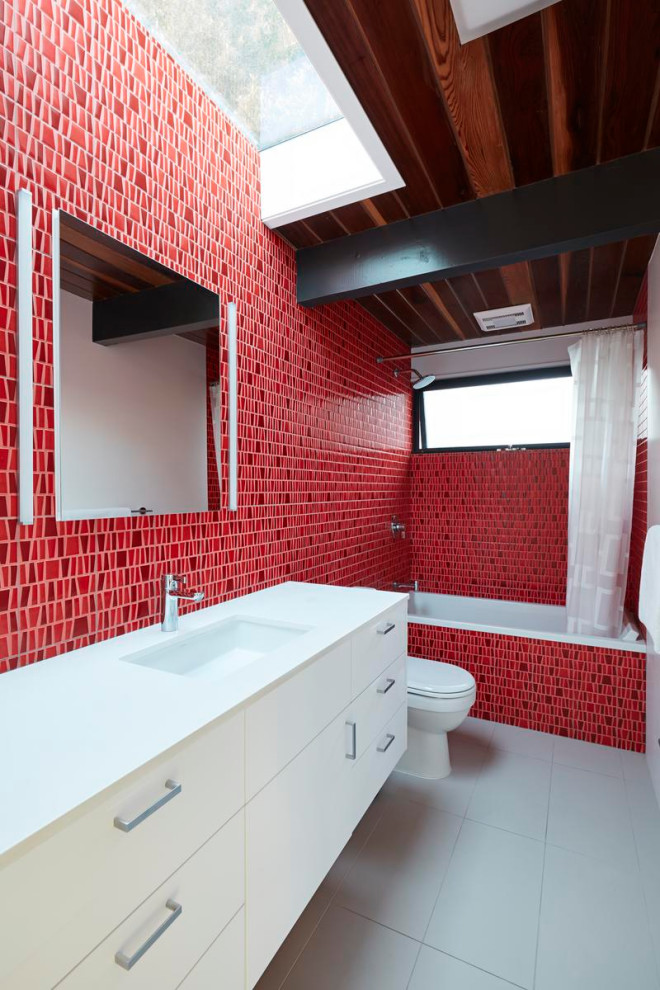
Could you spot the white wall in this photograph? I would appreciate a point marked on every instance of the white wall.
(653, 658)
(133, 420)
(541, 353)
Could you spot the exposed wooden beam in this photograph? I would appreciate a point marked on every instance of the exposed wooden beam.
(587, 208)
(180, 307)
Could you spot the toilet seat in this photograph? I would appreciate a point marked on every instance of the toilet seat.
(434, 679)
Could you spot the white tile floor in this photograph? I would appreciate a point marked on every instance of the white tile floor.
(536, 864)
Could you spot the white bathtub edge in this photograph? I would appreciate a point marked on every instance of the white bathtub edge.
(598, 641)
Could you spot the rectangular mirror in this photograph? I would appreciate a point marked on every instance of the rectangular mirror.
(136, 368)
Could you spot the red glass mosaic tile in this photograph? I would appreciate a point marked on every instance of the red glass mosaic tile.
(584, 692)
(97, 119)
(491, 524)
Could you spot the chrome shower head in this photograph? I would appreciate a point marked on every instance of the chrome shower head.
(422, 380)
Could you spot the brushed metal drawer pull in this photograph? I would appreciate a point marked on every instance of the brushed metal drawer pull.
(127, 962)
(390, 684)
(353, 727)
(388, 629)
(173, 789)
(390, 739)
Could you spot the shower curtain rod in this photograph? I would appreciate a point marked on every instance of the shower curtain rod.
(501, 343)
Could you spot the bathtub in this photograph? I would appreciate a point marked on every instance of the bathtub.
(530, 672)
(509, 619)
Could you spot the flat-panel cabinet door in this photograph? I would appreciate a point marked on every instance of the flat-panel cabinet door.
(295, 829)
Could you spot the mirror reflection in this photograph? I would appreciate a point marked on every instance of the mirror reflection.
(138, 411)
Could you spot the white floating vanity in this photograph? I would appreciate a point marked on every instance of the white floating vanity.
(170, 802)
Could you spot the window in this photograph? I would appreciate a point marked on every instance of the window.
(519, 409)
(247, 58)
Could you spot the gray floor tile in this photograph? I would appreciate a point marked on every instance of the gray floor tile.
(453, 793)
(487, 911)
(594, 932)
(513, 794)
(589, 814)
(397, 875)
(353, 953)
(437, 971)
(588, 756)
(525, 742)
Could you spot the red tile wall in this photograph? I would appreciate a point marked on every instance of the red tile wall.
(491, 524)
(97, 119)
(579, 691)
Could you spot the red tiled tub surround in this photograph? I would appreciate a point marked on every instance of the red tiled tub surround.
(583, 692)
(97, 119)
(491, 524)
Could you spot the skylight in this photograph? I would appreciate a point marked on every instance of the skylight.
(243, 53)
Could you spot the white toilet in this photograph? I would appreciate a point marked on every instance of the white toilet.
(440, 696)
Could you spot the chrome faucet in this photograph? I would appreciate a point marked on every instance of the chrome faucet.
(405, 585)
(171, 593)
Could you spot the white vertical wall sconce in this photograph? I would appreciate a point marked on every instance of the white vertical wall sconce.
(232, 406)
(24, 270)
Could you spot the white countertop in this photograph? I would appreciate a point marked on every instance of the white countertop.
(74, 725)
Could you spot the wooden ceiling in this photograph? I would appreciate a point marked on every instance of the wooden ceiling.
(572, 86)
(97, 267)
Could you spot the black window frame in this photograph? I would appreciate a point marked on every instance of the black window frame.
(492, 378)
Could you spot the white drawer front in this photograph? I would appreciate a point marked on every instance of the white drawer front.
(372, 710)
(282, 722)
(222, 967)
(377, 645)
(295, 829)
(63, 896)
(209, 891)
(380, 759)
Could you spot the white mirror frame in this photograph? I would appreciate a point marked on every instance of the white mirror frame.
(24, 272)
(232, 347)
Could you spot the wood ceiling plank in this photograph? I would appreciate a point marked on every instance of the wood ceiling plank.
(547, 285)
(493, 288)
(633, 60)
(635, 261)
(436, 296)
(384, 315)
(353, 218)
(574, 35)
(453, 307)
(419, 331)
(578, 271)
(386, 208)
(518, 61)
(464, 77)
(469, 295)
(413, 89)
(83, 287)
(87, 266)
(298, 234)
(106, 249)
(353, 52)
(325, 226)
(605, 265)
(440, 329)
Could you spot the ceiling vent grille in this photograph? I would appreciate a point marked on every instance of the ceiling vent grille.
(505, 319)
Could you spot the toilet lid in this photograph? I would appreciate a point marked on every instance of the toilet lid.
(434, 677)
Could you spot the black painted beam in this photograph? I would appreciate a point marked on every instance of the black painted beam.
(177, 307)
(597, 205)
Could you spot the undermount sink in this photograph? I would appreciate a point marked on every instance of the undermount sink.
(219, 650)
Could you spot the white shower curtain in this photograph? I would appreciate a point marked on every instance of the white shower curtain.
(607, 369)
